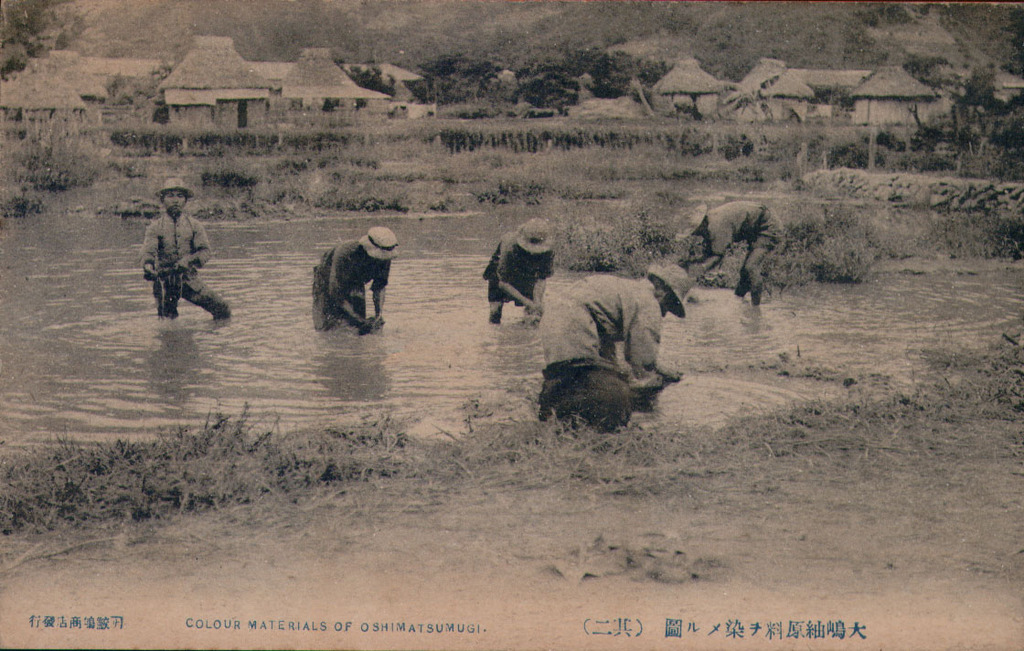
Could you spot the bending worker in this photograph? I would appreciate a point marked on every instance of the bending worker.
(739, 221)
(174, 248)
(519, 269)
(339, 282)
(579, 332)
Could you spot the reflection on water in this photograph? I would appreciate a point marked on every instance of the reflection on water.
(352, 368)
(173, 365)
(82, 351)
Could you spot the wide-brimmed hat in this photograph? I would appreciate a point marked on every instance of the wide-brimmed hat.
(534, 236)
(380, 243)
(173, 183)
(693, 217)
(677, 281)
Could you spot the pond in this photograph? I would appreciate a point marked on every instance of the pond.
(83, 353)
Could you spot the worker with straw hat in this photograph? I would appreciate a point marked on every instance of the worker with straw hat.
(579, 331)
(174, 248)
(339, 281)
(519, 269)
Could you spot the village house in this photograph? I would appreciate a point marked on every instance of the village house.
(769, 93)
(55, 79)
(891, 97)
(317, 84)
(832, 91)
(214, 86)
(36, 99)
(688, 90)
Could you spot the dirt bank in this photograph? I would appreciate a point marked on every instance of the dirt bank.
(910, 537)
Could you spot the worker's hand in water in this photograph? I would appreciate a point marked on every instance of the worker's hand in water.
(648, 384)
(669, 376)
(371, 325)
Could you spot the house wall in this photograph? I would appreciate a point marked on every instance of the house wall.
(895, 112)
(192, 116)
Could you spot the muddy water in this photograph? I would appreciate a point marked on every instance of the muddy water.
(83, 353)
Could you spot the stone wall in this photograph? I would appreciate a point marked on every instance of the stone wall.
(921, 190)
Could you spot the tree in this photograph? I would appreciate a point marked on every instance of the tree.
(457, 78)
(32, 27)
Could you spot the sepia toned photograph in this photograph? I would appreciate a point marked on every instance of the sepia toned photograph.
(493, 324)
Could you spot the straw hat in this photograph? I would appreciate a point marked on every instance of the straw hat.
(693, 217)
(174, 183)
(380, 243)
(676, 280)
(534, 236)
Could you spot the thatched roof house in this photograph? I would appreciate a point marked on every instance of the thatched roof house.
(891, 96)
(789, 84)
(214, 66)
(65, 68)
(759, 77)
(688, 89)
(769, 92)
(687, 78)
(213, 75)
(317, 80)
(893, 82)
(33, 97)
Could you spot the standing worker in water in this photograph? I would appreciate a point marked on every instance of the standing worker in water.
(745, 222)
(174, 248)
(579, 332)
(339, 282)
(519, 269)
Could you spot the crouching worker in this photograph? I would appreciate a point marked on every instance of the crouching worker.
(174, 248)
(579, 330)
(519, 269)
(739, 221)
(339, 282)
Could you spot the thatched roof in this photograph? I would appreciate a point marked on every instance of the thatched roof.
(274, 72)
(316, 75)
(760, 76)
(66, 68)
(37, 92)
(893, 83)
(213, 63)
(789, 85)
(687, 77)
(823, 78)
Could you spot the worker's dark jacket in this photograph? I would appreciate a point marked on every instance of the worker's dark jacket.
(167, 241)
(514, 265)
(340, 279)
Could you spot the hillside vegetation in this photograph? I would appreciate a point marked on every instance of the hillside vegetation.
(727, 38)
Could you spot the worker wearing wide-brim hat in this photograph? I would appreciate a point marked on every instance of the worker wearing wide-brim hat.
(174, 248)
(339, 281)
(744, 222)
(579, 331)
(519, 268)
